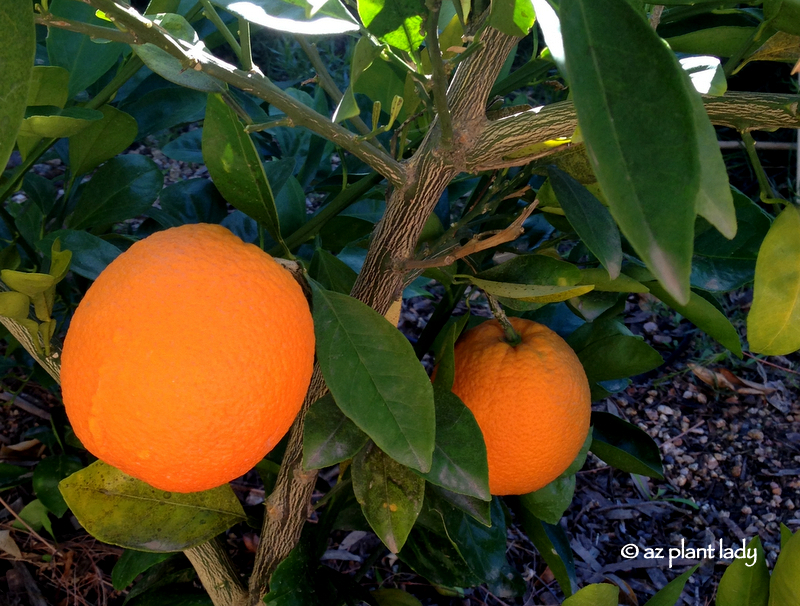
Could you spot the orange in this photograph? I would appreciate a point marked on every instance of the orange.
(531, 402)
(188, 359)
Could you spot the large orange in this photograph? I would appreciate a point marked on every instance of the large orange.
(531, 402)
(188, 358)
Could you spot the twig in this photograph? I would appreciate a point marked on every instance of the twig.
(24, 404)
(512, 336)
(439, 76)
(757, 359)
(655, 15)
(52, 549)
(95, 32)
(477, 244)
(767, 194)
(212, 15)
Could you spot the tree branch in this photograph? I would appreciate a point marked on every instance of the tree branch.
(95, 32)
(216, 572)
(145, 31)
(439, 75)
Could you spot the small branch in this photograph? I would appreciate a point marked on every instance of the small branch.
(767, 194)
(247, 51)
(35, 534)
(511, 335)
(95, 32)
(478, 243)
(439, 75)
(216, 572)
(655, 15)
(212, 15)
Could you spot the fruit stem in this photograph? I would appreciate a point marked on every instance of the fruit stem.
(512, 336)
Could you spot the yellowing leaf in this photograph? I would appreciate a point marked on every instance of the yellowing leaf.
(531, 292)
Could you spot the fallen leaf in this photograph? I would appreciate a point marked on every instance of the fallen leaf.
(8, 544)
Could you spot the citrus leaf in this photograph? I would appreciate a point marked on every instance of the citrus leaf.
(364, 53)
(90, 254)
(786, 534)
(85, 60)
(783, 15)
(35, 514)
(329, 436)
(375, 378)
(48, 86)
(124, 187)
(235, 166)
(14, 305)
(533, 269)
(101, 140)
(390, 495)
(549, 503)
(399, 23)
(433, 556)
(118, 509)
(773, 324)
(618, 357)
(394, 597)
(17, 55)
(48, 473)
(671, 592)
(512, 17)
(30, 284)
(11, 475)
(598, 594)
(745, 583)
(133, 563)
(603, 283)
(779, 47)
(529, 292)
(705, 316)
(784, 585)
(52, 121)
(624, 446)
(459, 457)
(444, 352)
(331, 272)
(643, 144)
(590, 218)
(294, 16)
(553, 545)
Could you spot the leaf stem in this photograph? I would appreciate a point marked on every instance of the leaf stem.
(511, 335)
(767, 194)
(246, 55)
(212, 15)
(439, 75)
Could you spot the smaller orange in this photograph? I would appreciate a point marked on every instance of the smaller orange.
(531, 401)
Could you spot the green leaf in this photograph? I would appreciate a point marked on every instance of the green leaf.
(186, 147)
(11, 475)
(54, 122)
(580, 459)
(549, 503)
(364, 53)
(399, 23)
(85, 60)
(773, 324)
(599, 594)
(722, 41)
(444, 350)
(433, 556)
(48, 473)
(169, 67)
(618, 357)
(553, 545)
(459, 457)
(784, 585)
(294, 16)
(124, 187)
(375, 378)
(30, 284)
(394, 597)
(624, 446)
(512, 17)
(14, 305)
(235, 166)
(706, 74)
(705, 316)
(90, 254)
(590, 218)
(101, 140)
(329, 436)
(783, 15)
(331, 273)
(193, 201)
(59, 261)
(35, 514)
(166, 107)
(603, 283)
(671, 592)
(643, 144)
(786, 534)
(745, 583)
(529, 292)
(533, 269)
(49, 84)
(118, 509)
(133, 563)
(390, 495)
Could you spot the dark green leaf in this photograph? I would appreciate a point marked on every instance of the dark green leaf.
(390, 495)
(459, 457)
(433, 556)
(90, 254)
(16, 56)
(193, 201)
(164, 108)
(599, 594)
(294, 16)
(590, 218)
(40, 190)
(160, 578)
(746, 581)
(671, 592)
(399, 23)
(51, 121)
(101, 140)
(186, 148)
(549, 503)
(773, 324)
(533, 269)
(364, 53)
(48, 86)
(11, 475)
(624, 446)
(124, 187)
(235, 167)
(512, 17)
(643, 144)
(705, 316)
(329, 436)
(618, 357)
(331, 273)
(720, 274)
(603, 283)
(784, 585)
(85, 60)
(753, 225)
(292, 583)
(375, 378)
(477, 508)
(133, 563)
(553, 545)
(175, 595)
(722, 41)
(48, 473)
(35, 514)
(783, 15)
(118, 509)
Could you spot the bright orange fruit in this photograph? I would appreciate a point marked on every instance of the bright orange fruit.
(188, 359)
(532, 402)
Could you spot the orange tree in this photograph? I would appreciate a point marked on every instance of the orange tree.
(430, 164)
